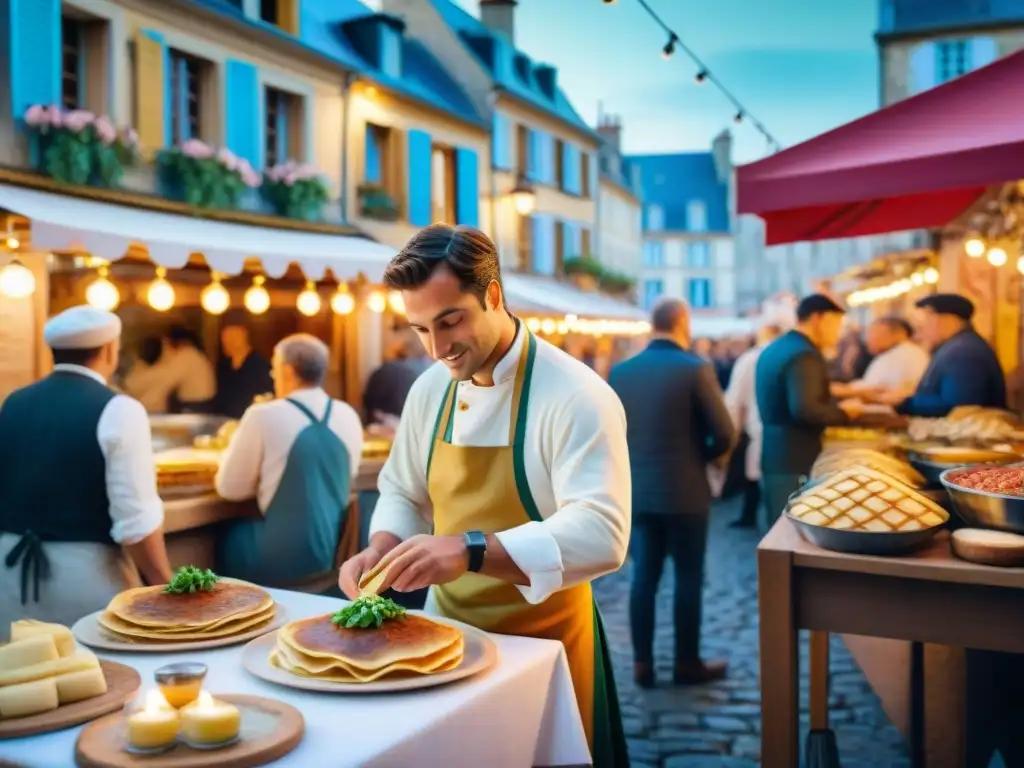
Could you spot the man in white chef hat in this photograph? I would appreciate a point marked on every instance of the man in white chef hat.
(80, 517)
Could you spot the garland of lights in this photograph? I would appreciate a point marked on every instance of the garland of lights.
(704, 74)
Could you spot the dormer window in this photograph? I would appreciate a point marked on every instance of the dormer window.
(281, 13)
(268, 11)
(390, 51)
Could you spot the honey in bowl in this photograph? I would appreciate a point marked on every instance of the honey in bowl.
(181, 683)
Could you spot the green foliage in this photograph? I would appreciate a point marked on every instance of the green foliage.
(367, 611)
(376, 203)
(190, 579)
(205, 182)
(295, 191)
(583, 265)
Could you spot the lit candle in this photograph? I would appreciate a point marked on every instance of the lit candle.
(155, 725)
(209, 721)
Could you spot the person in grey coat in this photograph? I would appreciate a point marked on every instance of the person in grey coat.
(676, 424)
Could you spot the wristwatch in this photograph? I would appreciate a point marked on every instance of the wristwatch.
(476, 546)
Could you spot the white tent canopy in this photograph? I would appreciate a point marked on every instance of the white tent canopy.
(545, 295)
(107, 230)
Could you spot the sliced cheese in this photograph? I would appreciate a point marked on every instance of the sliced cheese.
(26, 653)
(76, 686)
(30, 628)
(30, 698)
(78, 661)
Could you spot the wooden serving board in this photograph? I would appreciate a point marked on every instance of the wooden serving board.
(270, 729)
(88, 631)
(122, 683)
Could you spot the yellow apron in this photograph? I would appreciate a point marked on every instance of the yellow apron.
(485, 488)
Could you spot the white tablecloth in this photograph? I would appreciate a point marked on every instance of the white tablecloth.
(519, 714)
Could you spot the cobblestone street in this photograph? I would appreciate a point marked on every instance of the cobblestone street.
(718, 725)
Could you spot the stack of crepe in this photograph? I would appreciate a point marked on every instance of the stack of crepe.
(148, 614)
(175, 470)
(835, 461)
(42, 668)
(859, 498)
(969, 423)
(402, 647)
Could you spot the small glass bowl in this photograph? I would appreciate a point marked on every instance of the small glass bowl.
(181, 682)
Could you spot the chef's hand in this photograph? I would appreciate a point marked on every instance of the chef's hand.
(423, 561)
(353, 569)
(852, 407)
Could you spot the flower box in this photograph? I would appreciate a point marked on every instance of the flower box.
(205, 177)
(78, 147)
(375, 203)
(296, 191)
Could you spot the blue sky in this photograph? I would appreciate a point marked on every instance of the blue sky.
(801, 66)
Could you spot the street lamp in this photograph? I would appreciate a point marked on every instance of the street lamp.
(524, 197)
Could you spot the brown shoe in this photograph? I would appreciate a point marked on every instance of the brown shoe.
(643, 675)
(699, 672)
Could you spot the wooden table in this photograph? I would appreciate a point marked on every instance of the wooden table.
(927, 597)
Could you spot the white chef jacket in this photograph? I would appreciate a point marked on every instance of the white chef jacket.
(255, 460)
(123, 433)
(901, 367)
(741, 400)
(577, 465)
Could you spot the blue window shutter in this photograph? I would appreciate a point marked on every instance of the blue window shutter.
(534, 160)
(371, 173)
(567, 150)
(983, 51)
(282, 128)
(501, 142)
(35, 50)
(467, 188)
(419, 183)
(923, 67)
(569, 236)
(548, 157)
(184, 128)
(543, 245)
(168, 89)
(243, 113)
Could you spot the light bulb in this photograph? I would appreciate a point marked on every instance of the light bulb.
(547, 326)
(214, 298)
(342, 302)
(103, 294)
(13, 243)
(931, 275)
(161, 293)
(256, 299)
(996, 257)
(396, 302)
(308, 302)
(533, 324)
(974, 248)
(376, 302)
(1020, 265)
(17, 281)
(917, 278)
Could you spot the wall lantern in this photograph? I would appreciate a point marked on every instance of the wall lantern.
(524, 197)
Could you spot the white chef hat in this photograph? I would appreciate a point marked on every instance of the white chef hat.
(81, 327)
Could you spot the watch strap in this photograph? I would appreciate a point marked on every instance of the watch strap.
(476, 547)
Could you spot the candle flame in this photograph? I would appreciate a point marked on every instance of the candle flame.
(155, 701)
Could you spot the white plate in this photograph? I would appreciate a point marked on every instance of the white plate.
(480, 653)
(88, 631)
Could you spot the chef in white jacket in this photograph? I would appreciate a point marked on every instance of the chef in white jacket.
(516, 454)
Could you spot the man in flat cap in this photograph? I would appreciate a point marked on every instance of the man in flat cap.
(792, 387)
(80, 517)
(964, 370)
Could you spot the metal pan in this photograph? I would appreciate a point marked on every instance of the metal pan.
(984, 509)
(932, 471)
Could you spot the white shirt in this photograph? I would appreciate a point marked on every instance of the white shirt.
(136, 509)
(741, 400)
(901, 367)
(186, 371)
(577, 466)
(254, 462)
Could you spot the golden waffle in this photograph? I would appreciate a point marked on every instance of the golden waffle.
(863, 499)
(836, 461)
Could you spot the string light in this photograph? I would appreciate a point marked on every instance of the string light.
(308, 302)
(256, 298)
(161, 293)
(996, 257)
(102, 293)
(17, 280)
(705, 74)
(929, 276)
(377, 302)
(214, 297)
(342, 302)
(587, 327)
(396, 302)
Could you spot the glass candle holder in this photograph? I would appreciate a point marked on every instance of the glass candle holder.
(180, 683)
(152, 724)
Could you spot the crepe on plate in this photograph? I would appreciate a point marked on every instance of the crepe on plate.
(836, 461)
(859, 498)
(402, 647)
(150, 613)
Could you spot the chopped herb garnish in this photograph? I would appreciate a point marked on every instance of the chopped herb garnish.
(189, 580)
(366, 612)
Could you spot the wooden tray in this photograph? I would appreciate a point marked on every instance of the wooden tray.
(88, 631)
(270, 729)
(481, 653)
(122, 683)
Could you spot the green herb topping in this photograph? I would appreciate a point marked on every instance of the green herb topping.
(190, 579)
(366, 612)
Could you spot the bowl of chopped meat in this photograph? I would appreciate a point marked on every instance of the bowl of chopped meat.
(987, 496)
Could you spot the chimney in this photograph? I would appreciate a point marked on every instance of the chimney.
(609, 128)
(499, 16)
(721, 149)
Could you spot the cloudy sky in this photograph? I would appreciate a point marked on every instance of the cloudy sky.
(801, 66)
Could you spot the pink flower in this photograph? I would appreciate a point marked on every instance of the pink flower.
(56, 116)
(37, 115)
(250, 178)
(228, 159)
(131, 137)
(290, 178)
(196, 149)
(78, 120)
(105, 130)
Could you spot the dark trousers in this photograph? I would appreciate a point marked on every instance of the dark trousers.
(995, 707)
(654, 538)
(777, 488)
(751, 501)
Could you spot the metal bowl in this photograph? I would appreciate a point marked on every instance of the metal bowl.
(932, 471)
(984, 509)
(882, 543)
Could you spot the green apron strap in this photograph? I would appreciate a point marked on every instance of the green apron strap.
(304, 409)
(519, 439)
(610, 748)
(327, 413)
(448, 397)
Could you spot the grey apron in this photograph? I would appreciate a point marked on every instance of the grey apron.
(298, 535)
